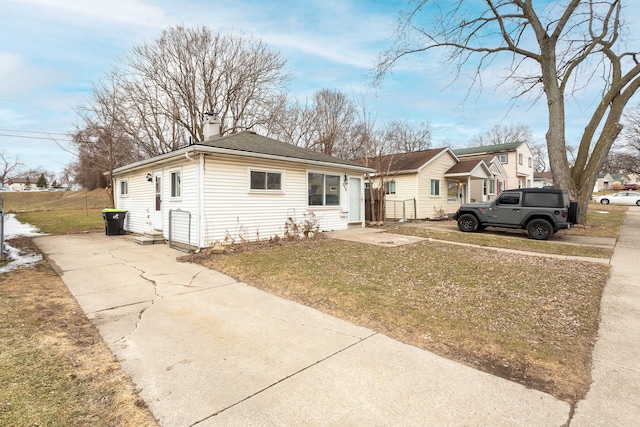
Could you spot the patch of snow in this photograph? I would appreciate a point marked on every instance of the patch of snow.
(19, 258)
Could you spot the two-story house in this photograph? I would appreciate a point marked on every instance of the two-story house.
(516, 158)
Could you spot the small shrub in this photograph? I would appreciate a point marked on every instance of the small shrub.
(308, 229)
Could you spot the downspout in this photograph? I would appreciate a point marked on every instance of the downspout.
(200, 201)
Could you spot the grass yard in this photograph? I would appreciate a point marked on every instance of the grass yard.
(55, 370)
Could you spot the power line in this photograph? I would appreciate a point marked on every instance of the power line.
(37, 137)
(31, 131)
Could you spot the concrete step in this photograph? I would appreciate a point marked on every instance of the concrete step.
(150, 238)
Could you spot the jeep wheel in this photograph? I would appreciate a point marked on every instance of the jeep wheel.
(467, 223)
(539, 229)
(604, 201)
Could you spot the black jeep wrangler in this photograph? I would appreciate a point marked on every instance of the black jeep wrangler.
(540, 211)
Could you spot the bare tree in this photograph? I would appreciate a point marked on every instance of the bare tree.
(294, 123)
(502, 134)
(8, 167)
(626, 156)
(101, 149)
(556, 49)
(158, 94)
(324, 123)
(539, 152)
(405, 137)
(334, 115)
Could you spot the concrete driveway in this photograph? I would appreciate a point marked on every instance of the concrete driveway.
(206, 350)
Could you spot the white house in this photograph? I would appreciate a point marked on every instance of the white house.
(238, 187)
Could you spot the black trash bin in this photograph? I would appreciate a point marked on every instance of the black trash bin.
(114, 221)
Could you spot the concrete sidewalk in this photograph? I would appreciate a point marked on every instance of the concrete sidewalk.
(613, 399)
(206, 350)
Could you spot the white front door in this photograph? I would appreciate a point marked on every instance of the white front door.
(157, 213)
(355, 199)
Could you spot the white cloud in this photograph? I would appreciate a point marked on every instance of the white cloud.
(86, 11)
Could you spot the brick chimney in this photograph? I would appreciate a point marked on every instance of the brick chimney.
(211, 126)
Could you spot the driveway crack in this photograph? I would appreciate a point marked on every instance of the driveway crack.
(284, 379)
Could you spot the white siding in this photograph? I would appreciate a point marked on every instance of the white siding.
(138, 203)
(233, 212)
(183, 206)
(222, 206)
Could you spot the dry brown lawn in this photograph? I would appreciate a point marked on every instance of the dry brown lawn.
(55, 370)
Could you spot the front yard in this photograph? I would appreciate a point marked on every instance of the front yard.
(530, 319)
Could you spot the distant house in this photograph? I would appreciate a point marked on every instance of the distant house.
(516, 159)
(424, 184)
(238, 187)
(21, 184)
(603, 182)
(542, 179)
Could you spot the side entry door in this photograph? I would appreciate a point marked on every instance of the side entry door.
(157, 212)
(355, 199)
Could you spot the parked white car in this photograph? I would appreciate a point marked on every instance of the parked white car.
(621, 198)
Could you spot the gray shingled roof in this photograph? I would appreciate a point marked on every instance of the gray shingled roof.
(486, 149)
(253, 143)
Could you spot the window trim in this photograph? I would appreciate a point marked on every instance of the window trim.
(520, 158)
(503, 156)
(324, 186)
(173, 194)
(431, 187)
(388, 185)
(124, 184)
(266, 172)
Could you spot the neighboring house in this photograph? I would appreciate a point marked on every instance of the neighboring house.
(424, 184)
(619, 179)
(633, 179)
(238, 187)
(542, 179)
(21, 184)
(516, 159)
(603, 182)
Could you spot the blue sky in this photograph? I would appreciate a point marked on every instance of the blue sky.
(51, 51)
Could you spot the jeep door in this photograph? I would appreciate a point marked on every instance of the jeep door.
(506, 209)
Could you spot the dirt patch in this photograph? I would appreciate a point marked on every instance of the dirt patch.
(55, 369)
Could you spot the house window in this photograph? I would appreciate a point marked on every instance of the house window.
(266, 180)
(530, 162)
(452, 191)
(324, 190)
(390, 187)
(124, 187)
(520, 158)
(176, 185)
(435, 187)
(492, 186)
(502, 158)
